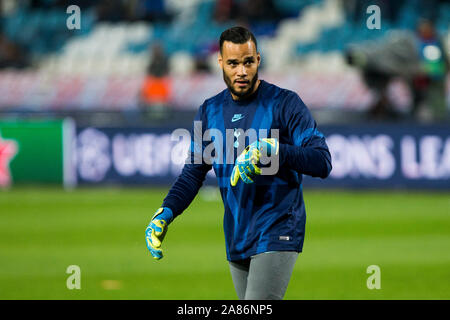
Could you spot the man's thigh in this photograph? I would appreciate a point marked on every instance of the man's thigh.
(269, 274)
(239, 273)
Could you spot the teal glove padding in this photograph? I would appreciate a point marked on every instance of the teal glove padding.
(246, 165)
(156, 230)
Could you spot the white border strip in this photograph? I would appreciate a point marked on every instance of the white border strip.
(68, 140)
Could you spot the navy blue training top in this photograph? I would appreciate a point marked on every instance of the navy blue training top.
(269, 214)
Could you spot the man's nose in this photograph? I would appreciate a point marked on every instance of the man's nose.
(242, 71)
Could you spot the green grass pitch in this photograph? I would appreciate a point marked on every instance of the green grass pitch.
(45, 230)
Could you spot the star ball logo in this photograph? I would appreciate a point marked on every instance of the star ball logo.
(8, 150)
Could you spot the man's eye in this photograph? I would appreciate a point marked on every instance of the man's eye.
(248, 62)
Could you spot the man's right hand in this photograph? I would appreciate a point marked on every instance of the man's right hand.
(156, 230)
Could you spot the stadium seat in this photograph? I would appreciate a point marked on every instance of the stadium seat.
(181, 63)
(313, 34)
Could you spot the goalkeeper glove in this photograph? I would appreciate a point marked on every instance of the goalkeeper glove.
(156, 230)
(246, 165)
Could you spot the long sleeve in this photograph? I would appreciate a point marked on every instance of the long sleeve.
(188, 183)
(307, 152)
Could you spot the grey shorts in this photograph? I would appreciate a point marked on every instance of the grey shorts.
(264, 276)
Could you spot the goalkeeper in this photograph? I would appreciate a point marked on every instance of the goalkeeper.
(264, 219)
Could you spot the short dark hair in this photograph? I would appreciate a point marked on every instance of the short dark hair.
(238, 35)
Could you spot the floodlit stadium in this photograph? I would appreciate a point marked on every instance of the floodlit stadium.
(97, 103)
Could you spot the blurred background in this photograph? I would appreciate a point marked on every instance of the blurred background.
(134, 55)
(90, 92)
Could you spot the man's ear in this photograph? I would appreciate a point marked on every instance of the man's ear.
(258, 58)
(219, 60)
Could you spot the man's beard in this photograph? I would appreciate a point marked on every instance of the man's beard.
(240, 94)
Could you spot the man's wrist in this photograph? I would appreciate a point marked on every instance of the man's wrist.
(166, 214)
(269, 146)
(282, 153)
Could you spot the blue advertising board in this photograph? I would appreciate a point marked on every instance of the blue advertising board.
(388, 156)
(363, 156)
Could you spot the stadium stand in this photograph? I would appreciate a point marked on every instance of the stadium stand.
(103, 65)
